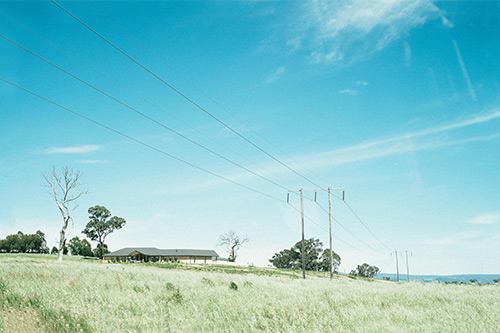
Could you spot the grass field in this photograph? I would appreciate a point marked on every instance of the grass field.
(39, 294)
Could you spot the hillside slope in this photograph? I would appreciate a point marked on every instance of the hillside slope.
(40, 294)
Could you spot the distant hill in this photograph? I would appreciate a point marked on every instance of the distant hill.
(481, 278)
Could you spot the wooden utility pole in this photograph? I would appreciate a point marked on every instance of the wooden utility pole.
(407, 266)
(330, 225)
(397, 265)
(303, 243)
(301, 191)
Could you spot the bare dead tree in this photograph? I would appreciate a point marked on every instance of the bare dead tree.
(232, 242)
(65, 190)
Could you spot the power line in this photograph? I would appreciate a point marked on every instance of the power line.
(325, 230)
(183, 95)
(160, 60)
(366, 227)
(144, 115)
(142, 143)
(121, 86)
(343, 227)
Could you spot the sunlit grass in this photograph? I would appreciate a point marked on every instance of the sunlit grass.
(82, 295)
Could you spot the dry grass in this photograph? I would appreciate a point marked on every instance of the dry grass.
(90, 296)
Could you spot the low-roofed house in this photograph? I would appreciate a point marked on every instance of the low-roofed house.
(152, 254)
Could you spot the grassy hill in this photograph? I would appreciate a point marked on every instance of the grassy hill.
(39, 294)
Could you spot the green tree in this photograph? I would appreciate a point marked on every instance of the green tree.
(13, 243)
(325, 261)
(285, 259)
(97, 252)
(365, 270)
(79, 247)
(101, 224)
(312, 251)
(292, 258)
(54, 250)
(42, 242)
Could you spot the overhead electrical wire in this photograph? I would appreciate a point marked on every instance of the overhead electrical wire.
(189, 82)
(133, 109)
(144, 115)
(343, 227)
(141, 142)
(166, 154)
(185, 96)
(366, 227)
(120, 85)
(202, 109)
(322, 228)
(186, 138)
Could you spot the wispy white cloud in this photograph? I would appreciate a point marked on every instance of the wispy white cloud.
(83, 149)
(294, 43)
(464, 71)
(90, 162)
(487, 218)
(351, 92)
(276, 75)
(400, 144)
(362, 83)
(349, 30)
(456, 239)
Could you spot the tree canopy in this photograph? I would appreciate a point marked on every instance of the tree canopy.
(79, 247)
(365, 270)
(315, 258)
(101, 224)
(24, 243)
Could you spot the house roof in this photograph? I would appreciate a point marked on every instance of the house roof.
(153, 251)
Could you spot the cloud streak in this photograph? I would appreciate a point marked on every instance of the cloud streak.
(276, 75)
(456, 239)
(378, 148)
(351, 92)
(488, 218)
(83, 149)
(464, 71)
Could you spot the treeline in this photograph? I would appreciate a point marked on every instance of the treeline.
(36, 243)
(24, 243)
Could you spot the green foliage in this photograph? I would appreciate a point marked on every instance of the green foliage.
(54, 250)
(365, 270)
(233, 286)
(24, 243)
(169, 286)
(325, 261)
(208, 282)
(97, 252)
(3, 286)
(176, 297)
(285, 259)
(314, 257)
(79, 247)
(101, 224)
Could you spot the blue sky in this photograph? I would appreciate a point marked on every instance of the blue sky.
(397, 102)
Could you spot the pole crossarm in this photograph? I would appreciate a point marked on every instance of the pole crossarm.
(317, 189)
